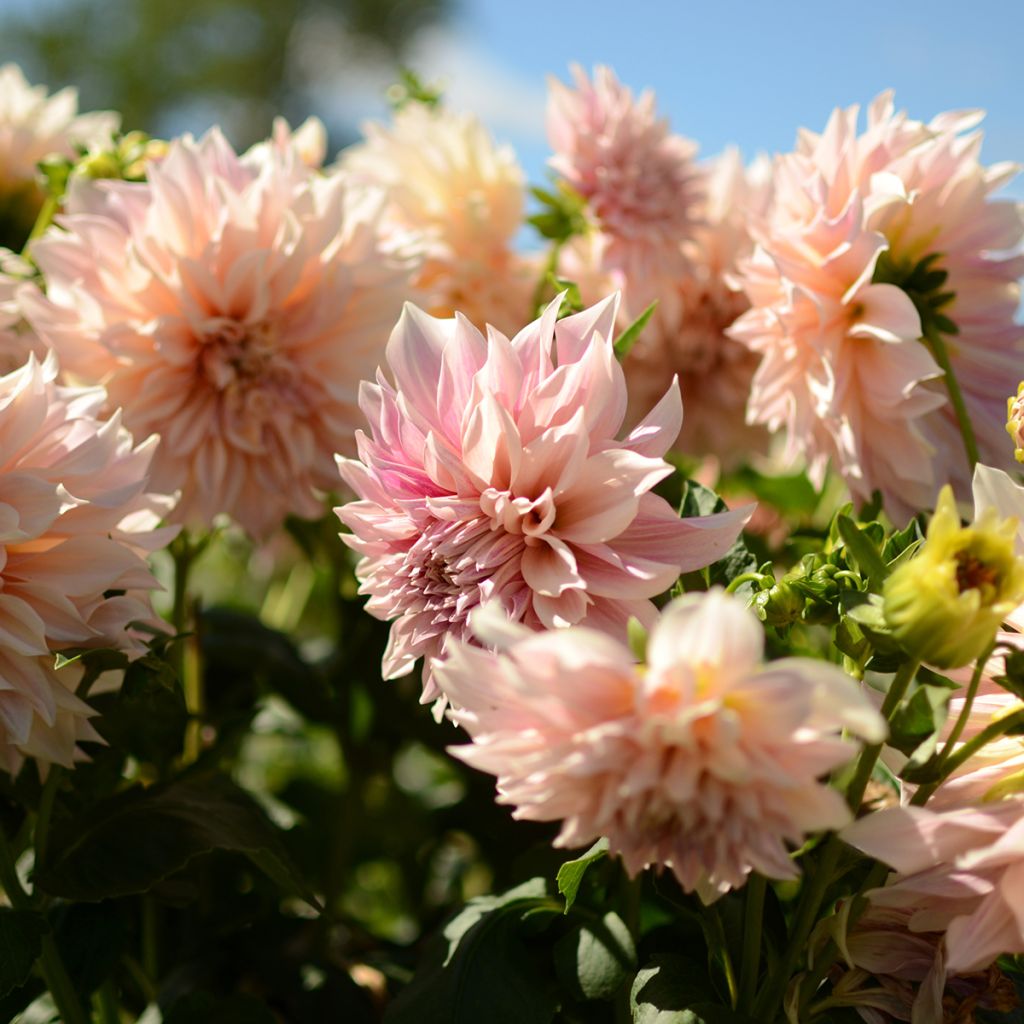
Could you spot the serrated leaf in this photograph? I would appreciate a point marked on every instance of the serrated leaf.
(570, 874)
(627, 339)
(920, 717)
(127, 844)
(21, 937)
(595, 958)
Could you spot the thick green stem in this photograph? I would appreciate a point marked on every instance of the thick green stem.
(715, 933)
(956, 397)
(814, 893)
(185, 650)
(753, 922)
(46, 214)
(46, 802)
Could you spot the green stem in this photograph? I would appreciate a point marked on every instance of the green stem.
(184, 651)
(941, 353)
(753, 922)
(715, 933)
(105, 1004)
(46, 802)
(814, 894)
(46, 214)
(746, 577)
(50, 964)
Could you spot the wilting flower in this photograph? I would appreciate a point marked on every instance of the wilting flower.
(707, 761)
(857, 223)
(1015, 421)
(695, 305)
(33, 126)
(232, 305)
(456, 199)
(75, 526)
(945, 605)
(960, 871)
(493, 472)
(640, 182)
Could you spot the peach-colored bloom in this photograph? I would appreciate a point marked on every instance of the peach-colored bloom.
(232, 305)
(75, 527)
(707, 762)
(34, 125)
(960, 871)
(640, 181)
(17, 340)
(843, 369)
(456, 199)
(686, 333)
(493, 471)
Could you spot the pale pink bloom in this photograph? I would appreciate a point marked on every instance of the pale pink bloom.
(308, 141)
(960, 871)
(75, 526)
(232, 305)
(17, 340)
(456, 199)
(494, 471)
(707, 761)
(686, 333)
(35, 125)
(843, 371)
(995, 489)
(640, 182)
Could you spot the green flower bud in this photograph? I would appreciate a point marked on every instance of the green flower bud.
(945, 606)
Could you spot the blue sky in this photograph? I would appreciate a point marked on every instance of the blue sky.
(741, 72)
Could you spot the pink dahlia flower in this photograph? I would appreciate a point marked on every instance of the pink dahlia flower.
(456, 199)
(75, 527)
(17, 340)
(494, 471)
(232, 305)
(960, 871)
(686, 334)
(707, 761)
(843, 368)
(640, 181)
(35, 125)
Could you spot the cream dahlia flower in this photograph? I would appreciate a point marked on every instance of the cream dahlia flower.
(640, 181)
(232, 305)
(456, 199)
(34, 125)
(17, 340)
(707, 761)
(493, 471)
(859, 227)
(75, 527)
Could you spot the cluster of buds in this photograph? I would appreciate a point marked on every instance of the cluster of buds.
(126, 160)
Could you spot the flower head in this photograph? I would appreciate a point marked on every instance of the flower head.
(17, 340)
(456, 199)
(1015, 421)
(945, 605)
(960, 871)
(871, 240)
(707, 761)
(493, 470)
(231, 304)
(640, 182)
(75, 526)
(34, 125)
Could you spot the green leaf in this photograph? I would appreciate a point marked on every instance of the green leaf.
(919, 718)
(127, 844)
(793, 494)
(594, 959)
(674, 989)
(698, 500)
(21, 936)
(570, 874)
(627, 339)
(486, 965)
(863, 550)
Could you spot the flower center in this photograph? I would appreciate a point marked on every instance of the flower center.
(531, 517)
(235, 354)
(974, 574)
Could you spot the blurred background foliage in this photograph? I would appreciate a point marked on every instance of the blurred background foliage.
(176, 66)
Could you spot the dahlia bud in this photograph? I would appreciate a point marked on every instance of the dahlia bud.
(945, 606)
(1015, 421)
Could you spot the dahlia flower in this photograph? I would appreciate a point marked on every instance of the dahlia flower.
(960, 871)
(33, 126)
(17, 340)
(640, 181)
(1015, 421)
(707, 761)
(231, 304)
(859, 224)
(686, 333)
(493, 471)
(456, 199)
(75, 527)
